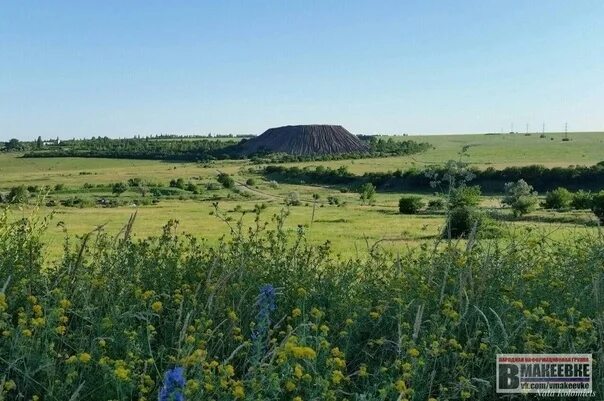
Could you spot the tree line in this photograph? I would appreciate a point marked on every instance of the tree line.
(424, 179)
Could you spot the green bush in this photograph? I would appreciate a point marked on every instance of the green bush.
(520, 197)
(582, 200)
(226, 180)
(410, 204)
(250, 182)
(436, 204)
(119, 188)
(464, 196)
(597, 206)
(18, 194)
(559, 198)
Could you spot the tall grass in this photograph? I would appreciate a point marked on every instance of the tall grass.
(264, 315)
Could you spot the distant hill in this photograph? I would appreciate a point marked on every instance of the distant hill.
(305, 140)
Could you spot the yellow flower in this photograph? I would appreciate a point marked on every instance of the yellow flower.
(349, 322)
(303, 352)
(400, 386)
(157, 307)
(10, 385)
(336, 377)
(26, 332)
(296, 312)
(316, 313)
(363, 371)
(290, 385)
(85, 357)
(122, 373)
(297, 398)
(71, 360)
(60, 330)
(229, 370)
(298, 371)
(232, 315)
(65, 303)
(102, 343)
(3, 304)
(413, 352)
(374, 315)
(238, 390)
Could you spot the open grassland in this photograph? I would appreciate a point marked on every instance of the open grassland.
(498, 151)
(349, 227)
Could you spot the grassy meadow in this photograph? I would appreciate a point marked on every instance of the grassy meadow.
(239, 293)
(349, 228)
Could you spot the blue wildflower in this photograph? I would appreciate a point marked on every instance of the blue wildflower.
(266, 305)
(174, 382)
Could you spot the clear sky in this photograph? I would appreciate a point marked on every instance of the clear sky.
(123, 68)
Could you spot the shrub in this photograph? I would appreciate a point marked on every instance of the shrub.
(292, 199)
(213, 186)
(559, 198)
(191, 187)
(177, 183)
(436, 204)
(581, 200)
(410, 204)
(119, 188)
(250, 182)
(333, 200)
(226, 180)
(597, 206)
(18, 194)
(134, 182)
(367, 192)
(520, 197)
(464, 196)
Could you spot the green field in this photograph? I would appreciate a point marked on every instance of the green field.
(349, 228)
(312, 298)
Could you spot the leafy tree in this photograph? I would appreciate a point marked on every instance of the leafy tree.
(134, 182)
(39, 142)
(597, 206)
(177, 183)
(119, 188)
(18, 194)
(436, 204)
(292, 199)
(410, 204)
(559, 198)
(520, 197)
(13, 144)
(367, 192)
(581, 200)
(226, 180)
(464, 196)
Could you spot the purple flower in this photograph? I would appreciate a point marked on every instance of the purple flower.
(174, 381)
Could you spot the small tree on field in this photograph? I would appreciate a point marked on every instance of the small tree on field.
(521, 197)
(226, 180)
(367, 192)
(597, 206)
(559, 198)
(464, 196)
(119, 188)
(582, 200)
(410, 204)
(18, 194)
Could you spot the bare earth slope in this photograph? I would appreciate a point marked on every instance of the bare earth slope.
(305, 140)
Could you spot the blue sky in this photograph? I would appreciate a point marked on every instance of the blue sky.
(123, 68)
